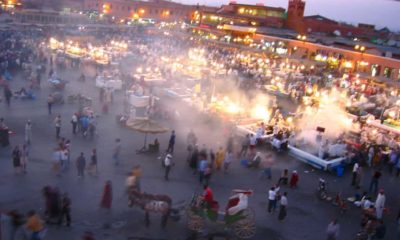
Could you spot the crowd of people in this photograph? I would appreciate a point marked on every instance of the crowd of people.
(23, 52)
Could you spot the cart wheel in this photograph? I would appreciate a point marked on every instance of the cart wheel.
(244, 229)
(248, 213)
(194, 222)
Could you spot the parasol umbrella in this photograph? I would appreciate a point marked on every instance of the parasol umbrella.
(146, 126)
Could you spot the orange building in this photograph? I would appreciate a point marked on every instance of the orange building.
(345, 60)
(10, 4)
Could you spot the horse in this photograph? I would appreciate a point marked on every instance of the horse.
(151, 203)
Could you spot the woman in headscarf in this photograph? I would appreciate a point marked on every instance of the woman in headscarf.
(106, 199)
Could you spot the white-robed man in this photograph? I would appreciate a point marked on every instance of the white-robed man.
(380, 204)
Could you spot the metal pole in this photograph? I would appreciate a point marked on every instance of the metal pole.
(145, 140)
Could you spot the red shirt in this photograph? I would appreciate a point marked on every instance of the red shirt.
(208, 195)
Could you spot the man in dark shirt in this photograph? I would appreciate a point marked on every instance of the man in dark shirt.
(65, 210)
(373, 187)
(380, 231)
(171, 143)
(81, 164)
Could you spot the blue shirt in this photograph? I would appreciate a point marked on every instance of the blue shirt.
(203, 165)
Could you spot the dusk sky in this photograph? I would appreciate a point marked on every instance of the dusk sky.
(378, 12)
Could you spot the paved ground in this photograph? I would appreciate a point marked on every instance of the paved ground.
(307, 217)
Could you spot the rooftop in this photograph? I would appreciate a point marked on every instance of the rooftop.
(258, 6)
(319, 18)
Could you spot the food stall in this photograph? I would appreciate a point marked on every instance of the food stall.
(109, 81)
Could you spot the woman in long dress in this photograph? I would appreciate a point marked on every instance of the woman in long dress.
(105, 204)
(24, 157)
(16, 156)
(219, 158)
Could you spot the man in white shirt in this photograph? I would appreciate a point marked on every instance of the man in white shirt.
(167, 165)
(57, 123)
(253, 142)
(355, 169)
(282, 208)
(272, 193)
(74, 122)
(260, 132)
(380, 204)
(28, 132)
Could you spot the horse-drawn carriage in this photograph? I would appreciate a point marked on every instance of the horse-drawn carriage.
(237, 218)
(151, 203)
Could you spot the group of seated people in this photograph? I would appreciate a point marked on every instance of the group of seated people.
(24, 94)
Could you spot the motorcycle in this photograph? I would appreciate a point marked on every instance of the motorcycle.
(322, 192)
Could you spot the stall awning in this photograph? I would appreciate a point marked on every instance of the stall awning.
(239, 28)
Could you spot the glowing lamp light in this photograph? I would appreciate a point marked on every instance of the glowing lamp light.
(233, 108)
(363, 87)
(139, 70)
(348, 121)
(260, 112)
(392, 114)
(348, 64)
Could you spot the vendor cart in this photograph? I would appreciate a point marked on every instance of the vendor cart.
(57, 84)
(237, 218)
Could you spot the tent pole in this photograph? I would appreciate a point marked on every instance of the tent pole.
(145, 140)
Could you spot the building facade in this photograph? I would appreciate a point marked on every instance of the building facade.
(154, 9)
(344, 59)
(49, 17)
(243, 15)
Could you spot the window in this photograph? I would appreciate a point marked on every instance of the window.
(387, 72)
(398, 76)
(375, 70)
